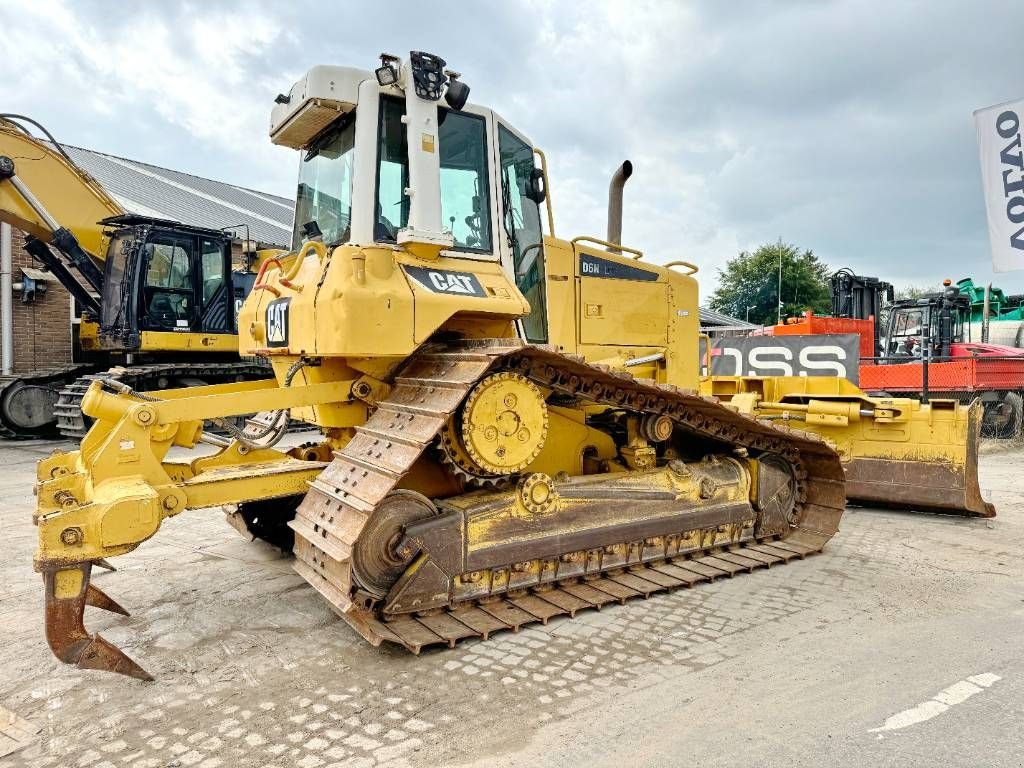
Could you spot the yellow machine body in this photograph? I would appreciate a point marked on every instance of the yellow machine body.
(160, 341)
(507, 434)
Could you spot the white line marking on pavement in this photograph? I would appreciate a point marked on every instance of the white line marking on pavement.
(955, 694)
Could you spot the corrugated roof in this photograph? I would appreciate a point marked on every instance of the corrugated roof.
(162, 193)
(711, 319)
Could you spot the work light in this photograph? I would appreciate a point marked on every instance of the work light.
(386, 75)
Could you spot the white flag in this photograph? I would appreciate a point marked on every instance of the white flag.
(1002, 174)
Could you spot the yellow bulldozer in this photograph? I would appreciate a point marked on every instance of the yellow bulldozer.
(158, 299)
(514, 425)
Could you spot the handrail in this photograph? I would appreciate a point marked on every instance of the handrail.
(259, 285)
(293, 270)
(588, 239)
(321, 252)
(547, 190)
(679, 263)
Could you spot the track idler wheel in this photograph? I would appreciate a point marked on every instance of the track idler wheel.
(68, 590)
(378, 557)
(776, 495)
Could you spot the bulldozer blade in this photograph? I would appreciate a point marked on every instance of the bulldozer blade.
(105, 564)
(918, 485)
(67, 592)
(948, 487)
(97, 598)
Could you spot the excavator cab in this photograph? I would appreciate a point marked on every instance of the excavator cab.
(166, 279)
(157, 300)
(144, 285)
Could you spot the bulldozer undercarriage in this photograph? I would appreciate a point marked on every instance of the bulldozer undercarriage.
(401, 569)
(519, 548)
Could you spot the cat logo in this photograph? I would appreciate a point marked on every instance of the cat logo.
(277, 323)
(446, 281)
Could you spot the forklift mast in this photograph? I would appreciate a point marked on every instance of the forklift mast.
(857, 297)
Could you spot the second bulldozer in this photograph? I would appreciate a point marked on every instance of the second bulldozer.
(512, 423)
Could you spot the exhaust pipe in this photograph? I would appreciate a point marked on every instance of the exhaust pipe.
(986, 314)
(618, 181)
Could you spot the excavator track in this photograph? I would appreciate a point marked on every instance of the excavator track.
(343, 500)
(71, 422)
(25, 399)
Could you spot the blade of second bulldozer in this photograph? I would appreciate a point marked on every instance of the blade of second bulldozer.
(928, 476)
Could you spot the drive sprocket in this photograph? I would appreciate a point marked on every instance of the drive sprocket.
(504, 423)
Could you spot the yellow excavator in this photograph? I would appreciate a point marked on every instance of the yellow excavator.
(158, 298)
(513, 423)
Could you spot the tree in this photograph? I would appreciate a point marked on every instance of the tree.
(916, 291)
(751, 280)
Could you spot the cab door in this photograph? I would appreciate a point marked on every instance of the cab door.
(168, 301)
(215, 298)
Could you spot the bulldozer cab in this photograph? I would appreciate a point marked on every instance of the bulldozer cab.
(163, 278)
(361, 182)
(453, 190)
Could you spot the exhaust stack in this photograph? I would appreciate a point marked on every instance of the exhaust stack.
(986, 314)
(618, 181)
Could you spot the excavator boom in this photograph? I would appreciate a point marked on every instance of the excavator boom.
(158, 298)
(74, 200)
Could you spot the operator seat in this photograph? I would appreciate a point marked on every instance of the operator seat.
(161, 312)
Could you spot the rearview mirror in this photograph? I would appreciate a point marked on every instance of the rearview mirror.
(535, 186)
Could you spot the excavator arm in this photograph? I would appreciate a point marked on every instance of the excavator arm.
(44, 193)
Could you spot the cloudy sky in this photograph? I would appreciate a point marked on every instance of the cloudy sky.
(843, 126)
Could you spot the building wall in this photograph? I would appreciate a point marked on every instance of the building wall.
(42, 328)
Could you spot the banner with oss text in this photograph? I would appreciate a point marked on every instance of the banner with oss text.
(1002, 175)
(812, 355)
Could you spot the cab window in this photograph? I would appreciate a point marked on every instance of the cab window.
(521, 224)
(907, 331)
(324, 195)
(168, 287)
(213, 285)
(392, 173)
(465, 199)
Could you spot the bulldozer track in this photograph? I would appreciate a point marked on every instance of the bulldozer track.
(427, 391)
(73, 424)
